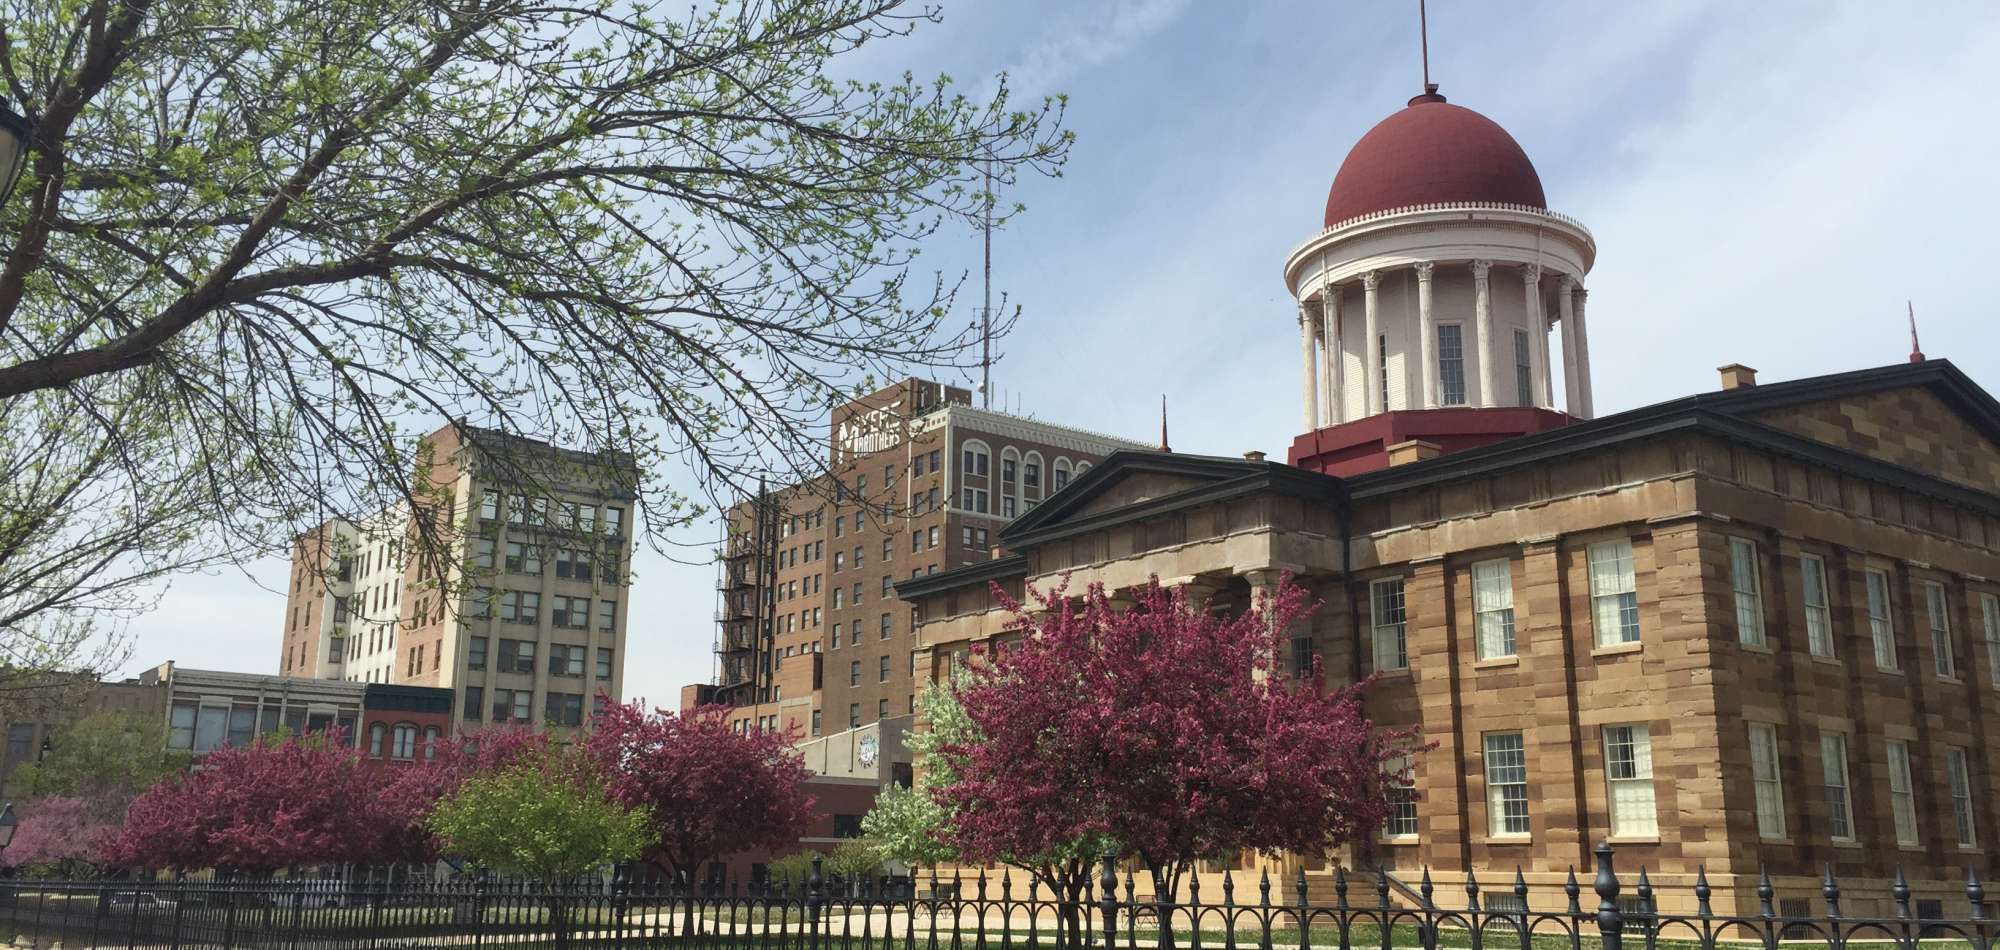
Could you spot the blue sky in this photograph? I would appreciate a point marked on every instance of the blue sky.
(1767, 182)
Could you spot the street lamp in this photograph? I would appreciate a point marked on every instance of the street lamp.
(14, 140)
(7, 824)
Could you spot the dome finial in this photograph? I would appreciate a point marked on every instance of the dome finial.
(1424, 41)
(1916, 352)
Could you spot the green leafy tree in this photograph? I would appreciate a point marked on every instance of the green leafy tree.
(103, 755)
(547, 817)
(792, 871)
(262, 243)
(855, 862)
(907, 824)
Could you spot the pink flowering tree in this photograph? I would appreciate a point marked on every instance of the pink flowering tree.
(707, 789)
(71, 837)
(1164, 728)
(270, 805)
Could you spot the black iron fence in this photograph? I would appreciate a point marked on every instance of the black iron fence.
(957, 914)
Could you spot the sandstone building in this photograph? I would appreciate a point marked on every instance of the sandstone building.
(1754, 627)
(521, 614)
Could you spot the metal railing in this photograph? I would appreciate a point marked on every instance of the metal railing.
(936, 914)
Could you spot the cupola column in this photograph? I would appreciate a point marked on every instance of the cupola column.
(1583, 355)
(1566, 312)
(1330, 354)
(1309, 374)
(1538, 327)
(1371, 375)
(1482, 324)
(1427, 332)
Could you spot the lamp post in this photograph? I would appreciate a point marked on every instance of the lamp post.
(14, 140)
(7, 825)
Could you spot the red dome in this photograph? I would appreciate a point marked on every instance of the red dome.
(1432, 152)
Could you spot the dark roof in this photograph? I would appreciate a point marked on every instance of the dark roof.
(1221, 477)
(999, 568)
(1727, 413)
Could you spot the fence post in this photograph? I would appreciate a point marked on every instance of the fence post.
(1107, 885)
(618, 909)
(375, 899)
(298, 915)
(813, 885)
(1610, 923)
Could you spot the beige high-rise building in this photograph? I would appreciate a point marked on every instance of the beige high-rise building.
(523, 614)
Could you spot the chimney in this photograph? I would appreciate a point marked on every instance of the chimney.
(1415, 450)
(1254, 455)
(1737, 376)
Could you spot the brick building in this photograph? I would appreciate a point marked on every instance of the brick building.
(919, 481)
(1752, 627)
(522, 615)
(206, 709)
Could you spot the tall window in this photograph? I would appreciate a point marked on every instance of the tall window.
(1833, 783)
(1961, 796)
(1382, 368)
(977, 462)
(1493, 607)
(1614, 597)
(854, 673)
(404, 741)
(1524, 370)
(1940, 618)
(1768, 780)
(1628, 769)
(1402, 799)
(1749, 592)
(1880, 627)
(1451, 364)
(1902, 795)
(1386, 613)
(1506, 784)
(1819, 619)
(1989, 614)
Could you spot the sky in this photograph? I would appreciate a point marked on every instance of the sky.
(1768, 183)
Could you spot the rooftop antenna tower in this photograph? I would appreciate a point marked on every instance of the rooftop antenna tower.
(986, 309)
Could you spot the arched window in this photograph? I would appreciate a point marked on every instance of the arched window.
(1082, 467)
(1031, 480)
(375, 733)
(405, 742)
(430, 742)
(978, 462)
(1010, 482)
(1061, 475)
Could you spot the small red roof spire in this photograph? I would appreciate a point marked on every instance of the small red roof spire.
(1916, 352)
(1164, 447)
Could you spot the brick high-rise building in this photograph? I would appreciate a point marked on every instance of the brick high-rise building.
(919, 482)
(1751, 628)
(530, 621)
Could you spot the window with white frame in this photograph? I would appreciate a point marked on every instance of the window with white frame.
(1767, 779)
(1628, 770)
(1833, 784)
(1881, 627)
(1493, 607)
(1989, 615)
(1614, 597)
(1402, 783)
(1819, 617)
(1749, 592)
(1506, 784)
(1902, 794)
(1960, 773)
(1451, 364)
(1940, 618)
(1386, 618)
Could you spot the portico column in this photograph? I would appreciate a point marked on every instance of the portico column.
(1566, 312)
(1308, 374)
(1428, 373)
(1329, 349)
(1263, 593)
(1583, 356)
(1482, 328)
(1538, 328)
(1371, 374)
